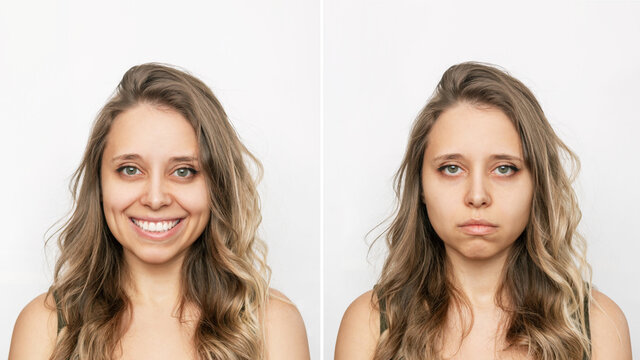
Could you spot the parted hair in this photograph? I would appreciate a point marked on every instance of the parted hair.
(545, 281)
(224, 273)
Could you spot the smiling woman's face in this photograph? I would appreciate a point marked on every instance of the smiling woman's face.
(476, 186)
(154, 197)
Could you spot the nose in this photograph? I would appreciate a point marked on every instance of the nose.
(478, 195)
(156, 195)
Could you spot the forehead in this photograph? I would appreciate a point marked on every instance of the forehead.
(473, 131)
(151, 132)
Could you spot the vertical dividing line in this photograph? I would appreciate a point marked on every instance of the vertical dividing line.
(322, 357)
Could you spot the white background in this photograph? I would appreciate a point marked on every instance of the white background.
(383, 59)
(380, 62)
(60, 61)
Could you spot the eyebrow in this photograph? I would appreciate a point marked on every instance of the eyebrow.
(457, 156)
(138, 157)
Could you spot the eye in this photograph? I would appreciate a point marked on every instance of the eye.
(450, 169)
(505, 170)
(185, 172)
(129, 170)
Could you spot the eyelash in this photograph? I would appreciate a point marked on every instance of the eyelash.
(443, 169)
(193, 171)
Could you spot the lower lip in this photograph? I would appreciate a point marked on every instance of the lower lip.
(156, 235)
(478, 229)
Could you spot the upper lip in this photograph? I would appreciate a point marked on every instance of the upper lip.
(150, 219)
(478, 222)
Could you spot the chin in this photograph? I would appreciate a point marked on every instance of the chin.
(480, 256)
(479, 251)
(155, 256)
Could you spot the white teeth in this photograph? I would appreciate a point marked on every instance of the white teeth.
(160, 226)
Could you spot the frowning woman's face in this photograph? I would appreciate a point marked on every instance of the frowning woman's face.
(154, 197)
(476, 186)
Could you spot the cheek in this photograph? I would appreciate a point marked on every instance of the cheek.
(440, 197)
(516, 206)
(117, 197)
(437, 205)
(441, 207)
(522, 207)
(194, 198)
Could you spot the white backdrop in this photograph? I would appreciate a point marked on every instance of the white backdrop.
(383, 59)
(60, 61)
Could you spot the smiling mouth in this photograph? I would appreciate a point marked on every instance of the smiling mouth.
(157, 227)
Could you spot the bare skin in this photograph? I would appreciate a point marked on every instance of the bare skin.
(360, 330)
(473, 171)
(35, 332)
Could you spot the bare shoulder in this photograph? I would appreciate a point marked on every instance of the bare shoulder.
(609, 329)
(359, 329)
(286, 337)
(34, 334)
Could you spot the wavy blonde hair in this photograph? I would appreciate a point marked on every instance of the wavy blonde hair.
(224, 272)
(546, 279)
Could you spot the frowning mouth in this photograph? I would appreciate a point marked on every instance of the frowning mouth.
(477, 227)
(156, 226)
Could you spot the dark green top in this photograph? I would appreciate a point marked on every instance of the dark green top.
(384, 326)
(61, 322)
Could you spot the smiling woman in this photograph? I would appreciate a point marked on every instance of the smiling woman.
(154, 197)
(160, 257)
(484, 258)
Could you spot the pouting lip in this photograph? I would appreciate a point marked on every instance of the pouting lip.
(477, 222)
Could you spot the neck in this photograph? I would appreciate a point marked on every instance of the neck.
(477, 279)
(153, 284)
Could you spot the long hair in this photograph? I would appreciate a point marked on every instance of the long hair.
(224, 271)
(546, 278)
